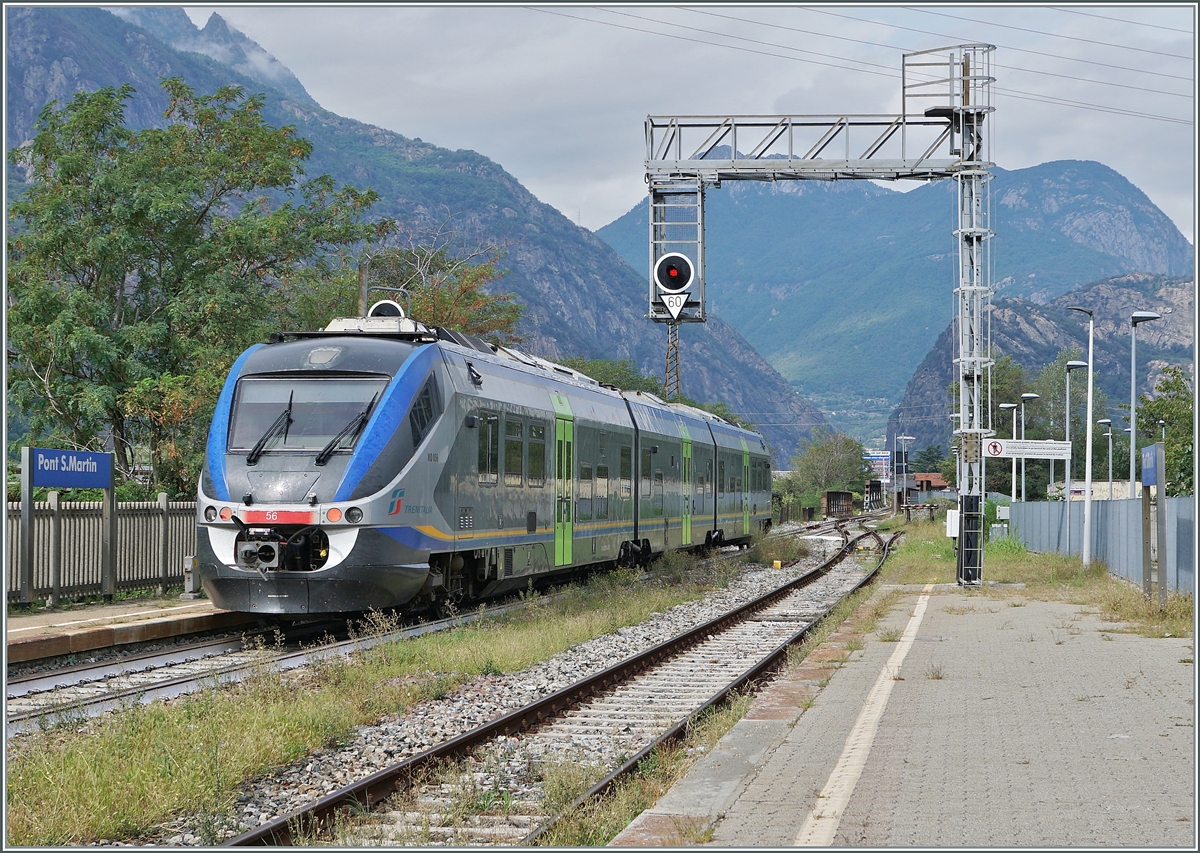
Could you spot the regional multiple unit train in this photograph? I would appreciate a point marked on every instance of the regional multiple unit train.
(380, 463)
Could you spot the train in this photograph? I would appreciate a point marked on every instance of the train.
(381, 463)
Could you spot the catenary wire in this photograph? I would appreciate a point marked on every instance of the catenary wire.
(1016, 93)
(1121, 20)
(998, 66)
(1044, 33)
(1005, 46)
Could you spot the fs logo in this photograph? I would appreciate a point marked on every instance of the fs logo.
(397, 501)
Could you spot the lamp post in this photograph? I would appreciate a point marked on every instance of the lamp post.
(1107, 424)
(1134, 319)
(1087, 465)
(1071, 365)
(1025, 398)
(904, 441)
(1128, 430)
(1013, 407)
(1163, 424)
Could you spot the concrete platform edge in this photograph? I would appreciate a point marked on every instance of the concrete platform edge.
(86, 639)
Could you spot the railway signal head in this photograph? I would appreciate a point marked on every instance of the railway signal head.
(674, 272)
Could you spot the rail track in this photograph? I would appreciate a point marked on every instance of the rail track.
(610, 721)
(82, 691)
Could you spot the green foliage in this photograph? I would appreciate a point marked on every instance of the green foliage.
(830, 461)
(622, 373)
(143, 262)
(1174, 403)
(929, 459)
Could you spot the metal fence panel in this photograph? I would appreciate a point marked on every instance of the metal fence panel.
(140, 527)
(1116, 535)
(1181, 556)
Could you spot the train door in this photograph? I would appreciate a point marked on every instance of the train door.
(564, 505)
(686, 488)
(745, 484)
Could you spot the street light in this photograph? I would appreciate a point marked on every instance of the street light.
(1163, 424)
(1087, 467)
(1025, 398)
(1013, 407)
(904, 440)
(1134, 319)
(1107, 424)
(1071, 365)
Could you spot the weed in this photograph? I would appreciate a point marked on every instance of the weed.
(891, 635)
(854, 644)
(959, 611)
(935, 671)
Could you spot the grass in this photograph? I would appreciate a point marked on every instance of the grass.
(118, 777)
(926, 555)
(600, 819)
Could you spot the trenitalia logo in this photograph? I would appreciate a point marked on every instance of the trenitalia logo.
(397, 501)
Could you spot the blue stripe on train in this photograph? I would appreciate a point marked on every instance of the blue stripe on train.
(218, 434)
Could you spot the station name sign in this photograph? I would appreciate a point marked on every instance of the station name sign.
(70, 469)
(1007, 448)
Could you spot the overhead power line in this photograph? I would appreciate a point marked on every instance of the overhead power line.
(1005, 46)
(1016, 93)
(1122, 20)
(1044, 33)
(998, 66)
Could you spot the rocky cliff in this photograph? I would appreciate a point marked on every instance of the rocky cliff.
(1033, 334)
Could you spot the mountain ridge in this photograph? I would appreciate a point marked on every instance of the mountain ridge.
(580, 297)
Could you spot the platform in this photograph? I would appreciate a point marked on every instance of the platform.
(989, 723)
(40, 633)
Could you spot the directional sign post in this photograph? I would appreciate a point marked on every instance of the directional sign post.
(66, 469)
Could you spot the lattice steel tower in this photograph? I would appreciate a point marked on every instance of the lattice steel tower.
(940, 133)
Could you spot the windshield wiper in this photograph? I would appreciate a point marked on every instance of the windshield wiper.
(351, 431)
(283, 421)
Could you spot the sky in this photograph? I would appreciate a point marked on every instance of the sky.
(558, 95)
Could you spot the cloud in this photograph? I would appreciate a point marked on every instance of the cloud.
(560, 102)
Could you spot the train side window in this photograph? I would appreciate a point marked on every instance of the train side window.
(626, 472)
(537, 455)
(708, 480)
(489, 448)
(721, 478)
(425, 410)
(657, 504)
(601, 499)
(513, 451)
(583, 511)
(646, 473)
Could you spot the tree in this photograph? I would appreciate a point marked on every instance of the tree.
(622, 373)
(1173, 403)
(929, 459)
(831, 460)
(141, 263)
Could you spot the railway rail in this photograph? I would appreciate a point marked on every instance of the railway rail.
(86, 690)
(649, 699)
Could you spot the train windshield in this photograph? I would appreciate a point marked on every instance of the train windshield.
(319, 410)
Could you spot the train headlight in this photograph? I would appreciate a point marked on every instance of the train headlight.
(226, 513)
(354, 515)
(210, 513)
(334, 514)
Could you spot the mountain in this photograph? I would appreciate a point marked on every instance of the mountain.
(845, 286)
(580, 297)
(1034, 334)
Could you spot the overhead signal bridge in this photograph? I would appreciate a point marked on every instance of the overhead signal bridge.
(946, 94)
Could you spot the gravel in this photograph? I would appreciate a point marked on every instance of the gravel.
(428, 723)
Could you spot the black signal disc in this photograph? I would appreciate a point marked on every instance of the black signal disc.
(674, 272)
